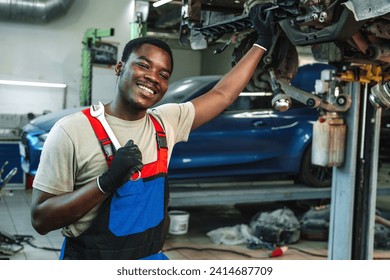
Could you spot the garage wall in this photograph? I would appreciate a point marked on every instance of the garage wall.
(51, 52)
(216, 63)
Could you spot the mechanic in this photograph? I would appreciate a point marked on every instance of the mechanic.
(116, 207)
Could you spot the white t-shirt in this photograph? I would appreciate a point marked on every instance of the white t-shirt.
(72, 155)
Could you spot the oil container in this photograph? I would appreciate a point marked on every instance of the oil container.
(328, 147)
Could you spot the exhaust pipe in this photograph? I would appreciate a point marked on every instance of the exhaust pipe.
(33, 10)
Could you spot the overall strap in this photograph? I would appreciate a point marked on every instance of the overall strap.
(160, 134)
(102, 136)
(108, 147)
(161, 164)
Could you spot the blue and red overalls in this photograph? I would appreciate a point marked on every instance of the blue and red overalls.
(131, 223)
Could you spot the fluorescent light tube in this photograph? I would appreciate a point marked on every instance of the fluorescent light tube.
(160, 3)
(32, 84)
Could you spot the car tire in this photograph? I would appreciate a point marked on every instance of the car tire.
(314, 175)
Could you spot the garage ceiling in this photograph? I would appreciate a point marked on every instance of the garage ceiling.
(163, 19)
(166, 18)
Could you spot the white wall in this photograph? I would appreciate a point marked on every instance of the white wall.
(51, 52)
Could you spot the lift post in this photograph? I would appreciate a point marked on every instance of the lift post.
(92, 37)
(354, 181)
(354, 185)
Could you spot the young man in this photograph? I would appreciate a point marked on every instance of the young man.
(116, 207)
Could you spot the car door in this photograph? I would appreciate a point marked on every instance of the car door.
(231, 144)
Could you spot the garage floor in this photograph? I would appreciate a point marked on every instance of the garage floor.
(195, 245)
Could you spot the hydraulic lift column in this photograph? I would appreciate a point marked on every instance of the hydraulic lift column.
(354, 185)
(344, 98)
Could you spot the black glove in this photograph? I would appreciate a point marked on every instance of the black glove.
(127, 160)
(262, 19)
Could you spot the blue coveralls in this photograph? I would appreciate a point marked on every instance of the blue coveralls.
(133, 222)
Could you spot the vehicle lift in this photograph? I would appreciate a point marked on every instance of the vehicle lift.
(345, 137)
(354, 185)
(353, 153)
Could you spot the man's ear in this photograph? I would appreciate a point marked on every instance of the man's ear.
(118, 68)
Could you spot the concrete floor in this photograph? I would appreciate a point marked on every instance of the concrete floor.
(194, 245)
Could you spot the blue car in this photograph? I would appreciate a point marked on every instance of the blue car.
(248, 140)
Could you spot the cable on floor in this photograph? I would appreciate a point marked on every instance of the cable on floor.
(43, 247)
(239, 253)
(209, 249)
(307, 252)
(12, 244)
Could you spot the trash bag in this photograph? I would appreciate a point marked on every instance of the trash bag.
(315, 223)
(239, 234)
(382, 237)
(279, 227)
(234, 235)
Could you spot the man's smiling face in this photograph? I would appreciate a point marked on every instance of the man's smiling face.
(144, 77)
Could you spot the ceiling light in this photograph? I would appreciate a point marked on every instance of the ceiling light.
(160, 3)
(32, 84)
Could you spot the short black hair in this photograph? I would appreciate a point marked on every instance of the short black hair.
(136, 43)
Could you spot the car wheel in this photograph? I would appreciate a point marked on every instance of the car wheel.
(314, 175)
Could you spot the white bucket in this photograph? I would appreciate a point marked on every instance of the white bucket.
(179, 222)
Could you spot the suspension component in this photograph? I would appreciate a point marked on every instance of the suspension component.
(380, 93)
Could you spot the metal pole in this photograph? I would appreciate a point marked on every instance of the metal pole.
(366, 185)
(354, 185)
(343, 186)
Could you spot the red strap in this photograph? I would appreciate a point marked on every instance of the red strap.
(161, 164)
(150, 169)
(102, 136)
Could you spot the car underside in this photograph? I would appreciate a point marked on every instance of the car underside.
(339, 32)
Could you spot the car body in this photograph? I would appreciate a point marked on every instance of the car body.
(248, 139)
